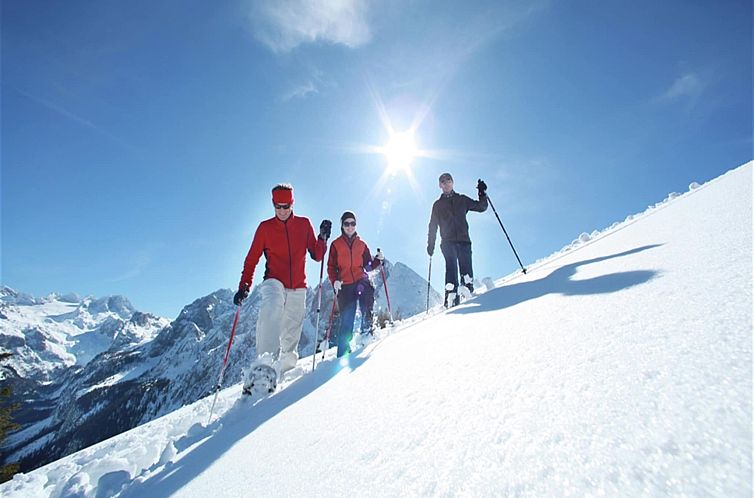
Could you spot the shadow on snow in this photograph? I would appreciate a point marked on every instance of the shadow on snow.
(560, 282)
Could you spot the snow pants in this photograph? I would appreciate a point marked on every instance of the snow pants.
(457, 256)
(361, 293)
(280, 321)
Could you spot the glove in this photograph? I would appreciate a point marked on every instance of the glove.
(430, 249)
(336, 286)
(379, 255)
(243, 293)
(324, 229)
(481, 188)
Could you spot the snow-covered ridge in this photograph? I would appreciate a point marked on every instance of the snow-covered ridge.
(586, 238)
(48, 333)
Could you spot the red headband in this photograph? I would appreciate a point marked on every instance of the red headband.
(282, 196)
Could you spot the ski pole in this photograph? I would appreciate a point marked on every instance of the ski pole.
(326, 340)
(387, 294)
(225, 363)
(429, 278)
(506, 234)
(319, 305)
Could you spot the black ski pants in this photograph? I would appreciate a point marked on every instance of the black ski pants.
(457, 257)
(361, 293)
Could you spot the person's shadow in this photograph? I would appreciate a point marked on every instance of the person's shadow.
(237, 422)
(560, 282)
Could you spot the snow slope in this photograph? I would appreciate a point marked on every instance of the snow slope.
(621, 366)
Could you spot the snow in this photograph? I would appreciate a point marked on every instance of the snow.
(619, 366)
(129, 374)
(50, 333)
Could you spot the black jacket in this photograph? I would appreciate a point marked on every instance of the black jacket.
(449, 213)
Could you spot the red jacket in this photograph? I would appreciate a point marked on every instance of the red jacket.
(349, 260)
(284, 244)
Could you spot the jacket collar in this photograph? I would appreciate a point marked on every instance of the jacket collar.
(349, 240)
(286, 221)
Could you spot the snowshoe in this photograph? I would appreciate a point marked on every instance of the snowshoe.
(451, 297)
(260, 379)
(468, 282)
(364, 338)
(464, 293)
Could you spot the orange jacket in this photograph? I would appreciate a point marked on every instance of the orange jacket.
(349, 260)
(284, 245)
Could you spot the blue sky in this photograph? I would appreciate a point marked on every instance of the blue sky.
(140, 140)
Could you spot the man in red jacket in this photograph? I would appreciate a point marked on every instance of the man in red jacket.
(284, 240)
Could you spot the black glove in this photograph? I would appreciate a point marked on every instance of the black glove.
(430, 249)
(481, 188)
(243, 293)
(324, 229)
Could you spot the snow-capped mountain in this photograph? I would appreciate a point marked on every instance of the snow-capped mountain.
(56, 332)
(88, 369)
(620, 366)
(55, 341)
(409, 299)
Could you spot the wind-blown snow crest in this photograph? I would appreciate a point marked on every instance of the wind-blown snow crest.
(619, 367)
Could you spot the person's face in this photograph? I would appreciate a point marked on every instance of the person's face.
(349, 226)
(446, 186)
(282, 211)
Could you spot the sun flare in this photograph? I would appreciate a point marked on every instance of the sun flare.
(400, 151)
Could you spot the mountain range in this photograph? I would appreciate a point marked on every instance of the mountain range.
(86, 369)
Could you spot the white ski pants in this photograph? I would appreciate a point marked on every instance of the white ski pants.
(280, 321)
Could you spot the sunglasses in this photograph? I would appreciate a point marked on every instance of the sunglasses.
(349, 223)
(282, 206)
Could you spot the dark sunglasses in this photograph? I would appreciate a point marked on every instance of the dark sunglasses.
(349, 223)
(282, 206)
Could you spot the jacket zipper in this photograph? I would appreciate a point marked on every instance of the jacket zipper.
(290, 256)
(350, 252)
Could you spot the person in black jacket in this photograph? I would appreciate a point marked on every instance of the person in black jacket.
(449, 213)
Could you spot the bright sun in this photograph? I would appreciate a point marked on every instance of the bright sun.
(400, 151)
